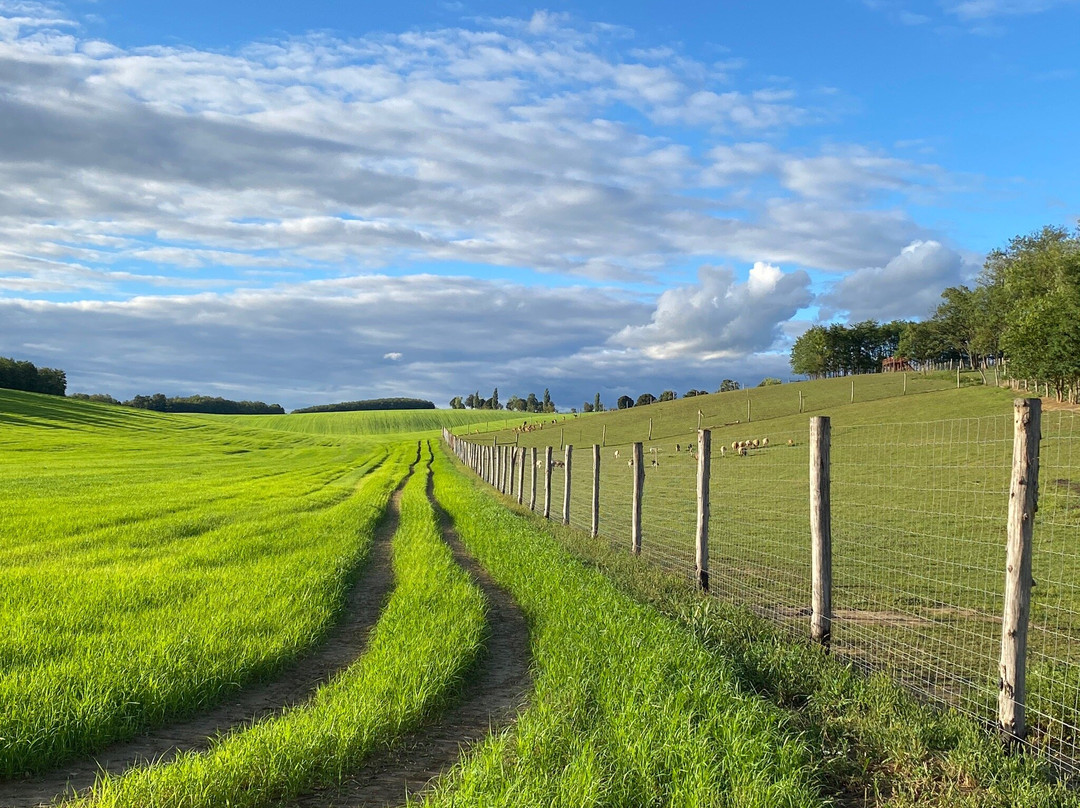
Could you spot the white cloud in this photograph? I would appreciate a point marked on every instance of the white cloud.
(393, 356)
(908, 286)
(718, 318)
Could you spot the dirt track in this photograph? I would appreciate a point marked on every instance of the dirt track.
(293, 685)
(491, 700)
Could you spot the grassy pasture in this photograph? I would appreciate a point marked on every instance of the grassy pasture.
(151, 564)
(628, 708)
(396, 424)
(919, 494)
(427, 637)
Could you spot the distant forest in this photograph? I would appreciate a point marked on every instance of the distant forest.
(28, 377)
(372, 404)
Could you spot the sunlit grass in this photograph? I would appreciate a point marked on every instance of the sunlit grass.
(427, 637)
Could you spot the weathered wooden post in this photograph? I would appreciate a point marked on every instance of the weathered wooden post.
(513, 470)
(595, 490)
(650, 429)
(905, 384)
(638, 455)
(820, 531)
(507, 475)
(852, 392)
(800, 401)
(1023, 502)
(704, 446)
(547, 482)
(747, 408)
(532, 477)
(566, 484)
(521, 476)
(603, 439)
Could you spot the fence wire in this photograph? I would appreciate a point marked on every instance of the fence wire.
(918, 548)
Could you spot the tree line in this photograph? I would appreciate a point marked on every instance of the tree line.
(372, 404)
(28, 377)
(1023, 314)
(214, 405)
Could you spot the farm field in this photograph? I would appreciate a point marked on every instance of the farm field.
(150, 565)
(396, 424)
(919, 500)
(157, 563)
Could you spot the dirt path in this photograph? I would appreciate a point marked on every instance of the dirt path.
(293, 685)
(490, 702)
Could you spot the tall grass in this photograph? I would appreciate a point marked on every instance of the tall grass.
(385, 422)
(427, 637)
(151, 565)
(628, 708)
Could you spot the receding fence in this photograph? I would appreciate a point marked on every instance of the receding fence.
(911, 548)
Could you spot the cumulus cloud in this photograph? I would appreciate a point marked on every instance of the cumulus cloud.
(717, 318)
(908, 286)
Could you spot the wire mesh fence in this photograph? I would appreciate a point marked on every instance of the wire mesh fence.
(919, 514)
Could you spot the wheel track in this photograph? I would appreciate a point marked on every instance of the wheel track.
(293, 685)
(490, 702)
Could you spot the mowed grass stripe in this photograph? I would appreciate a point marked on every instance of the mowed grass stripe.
(426, 640)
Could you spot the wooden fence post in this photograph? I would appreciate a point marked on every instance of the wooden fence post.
(566, 484)
(532, 476)
(852, 392)
(1023, 502)
(635, 508)
(507, 476)
(521, 476)
(747, 409)
(595, 490)
(603, 440)
(820, 531)
(547, 482)
(800, 401)
(650, 429)
(513, 470)
(905, 384)
(704, 446)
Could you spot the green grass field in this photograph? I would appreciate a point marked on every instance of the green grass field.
(152, 564)
(396, 424)
(919, 495)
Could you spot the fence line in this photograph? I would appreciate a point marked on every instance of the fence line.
(902, 568)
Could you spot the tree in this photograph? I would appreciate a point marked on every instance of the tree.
(597, 406)
(957, 319)
(548, 406)
(516, 404)
(495, 400)
(668, 395)
(692, 392)
(587, 407)
(727, 385)
(625, 402)
(456, 403)
(644, 400)
(768, 381)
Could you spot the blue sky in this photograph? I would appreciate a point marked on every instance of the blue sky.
(314, 202)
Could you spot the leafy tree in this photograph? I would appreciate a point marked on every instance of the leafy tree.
(645, 399)
(456, 403)
(516, 404)
(587, 407)
(768, 381)
(532, 403)
(727, 385)
(548, 406)
(597, 406)
(668, 395)
(495, 400)
(809, 354)
(625, 402)
(692, 392)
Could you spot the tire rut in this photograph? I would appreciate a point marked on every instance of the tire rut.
(293, 685)
(490, 701)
